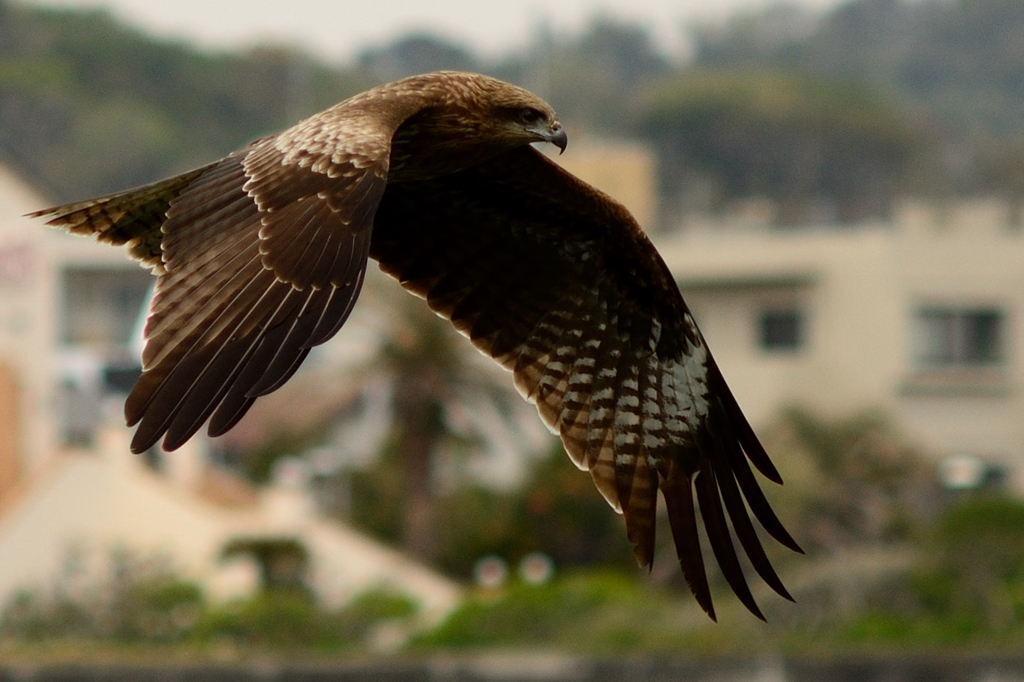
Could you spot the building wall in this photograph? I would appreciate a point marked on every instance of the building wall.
(861, 291)
(34, 287)
(26, 289)
(10, 432)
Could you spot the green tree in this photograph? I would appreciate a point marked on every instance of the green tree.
(851, 482)
(799, 140)
(70, 80)
(592, 79)
(555, 511)
(416, 53)
(977, 565)
(959, 66)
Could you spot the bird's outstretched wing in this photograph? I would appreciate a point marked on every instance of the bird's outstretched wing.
(261, 257)
(556, 282)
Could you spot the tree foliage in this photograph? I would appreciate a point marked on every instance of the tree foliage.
(89, 105)
(556, 511)
(852, 482)
(139, 599)
(919, 96)
(802, 140)
(976, 567)
(957, 65)
(416, 53)
(591, 79)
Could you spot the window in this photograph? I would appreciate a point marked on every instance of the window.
(959, 337)
(781, 329)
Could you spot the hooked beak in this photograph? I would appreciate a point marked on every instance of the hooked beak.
(556, 136)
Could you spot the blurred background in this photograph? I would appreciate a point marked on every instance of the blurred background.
(839, 190)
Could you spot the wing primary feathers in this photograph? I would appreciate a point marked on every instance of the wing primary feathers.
(208, 389)
(718, 530)
(168, 399)
(744, 433)
(292, 340)
(676, 488)
(222, 374)
(238, 397)
(176, 322)
(244, 308)
(640, 512)
(738, 515)
(182, 344)
(266, 362)
(758, 504)
(270, 363)
(329, 324)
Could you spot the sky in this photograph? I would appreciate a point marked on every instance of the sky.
(336, 30)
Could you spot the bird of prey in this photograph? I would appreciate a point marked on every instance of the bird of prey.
(260, 257)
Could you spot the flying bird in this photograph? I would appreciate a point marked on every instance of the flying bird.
(260, 257)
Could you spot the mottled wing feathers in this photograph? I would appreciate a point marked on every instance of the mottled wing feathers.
(310, 204)
(556, 282)
(264, 260)
(261, 258)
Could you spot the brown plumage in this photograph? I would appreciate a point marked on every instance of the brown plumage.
(261, 255)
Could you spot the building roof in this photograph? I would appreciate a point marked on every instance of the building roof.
(94, 501)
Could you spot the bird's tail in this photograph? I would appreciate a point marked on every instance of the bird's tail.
(132, 217)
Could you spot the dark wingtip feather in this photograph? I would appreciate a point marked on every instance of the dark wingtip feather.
(759, 504)
(744, 433)
(720, 538)
(733, 500)
(139, 446)
(41, 213)
(676, 488)
(644, 558)
(228, 414)
(639, 500)
(144, 439)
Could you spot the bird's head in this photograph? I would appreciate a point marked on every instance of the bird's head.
(527, 118)
(504, 113)
(465, 119)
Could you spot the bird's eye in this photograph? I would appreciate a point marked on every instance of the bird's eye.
(529, 116)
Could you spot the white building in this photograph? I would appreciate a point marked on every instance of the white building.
(920, 318)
